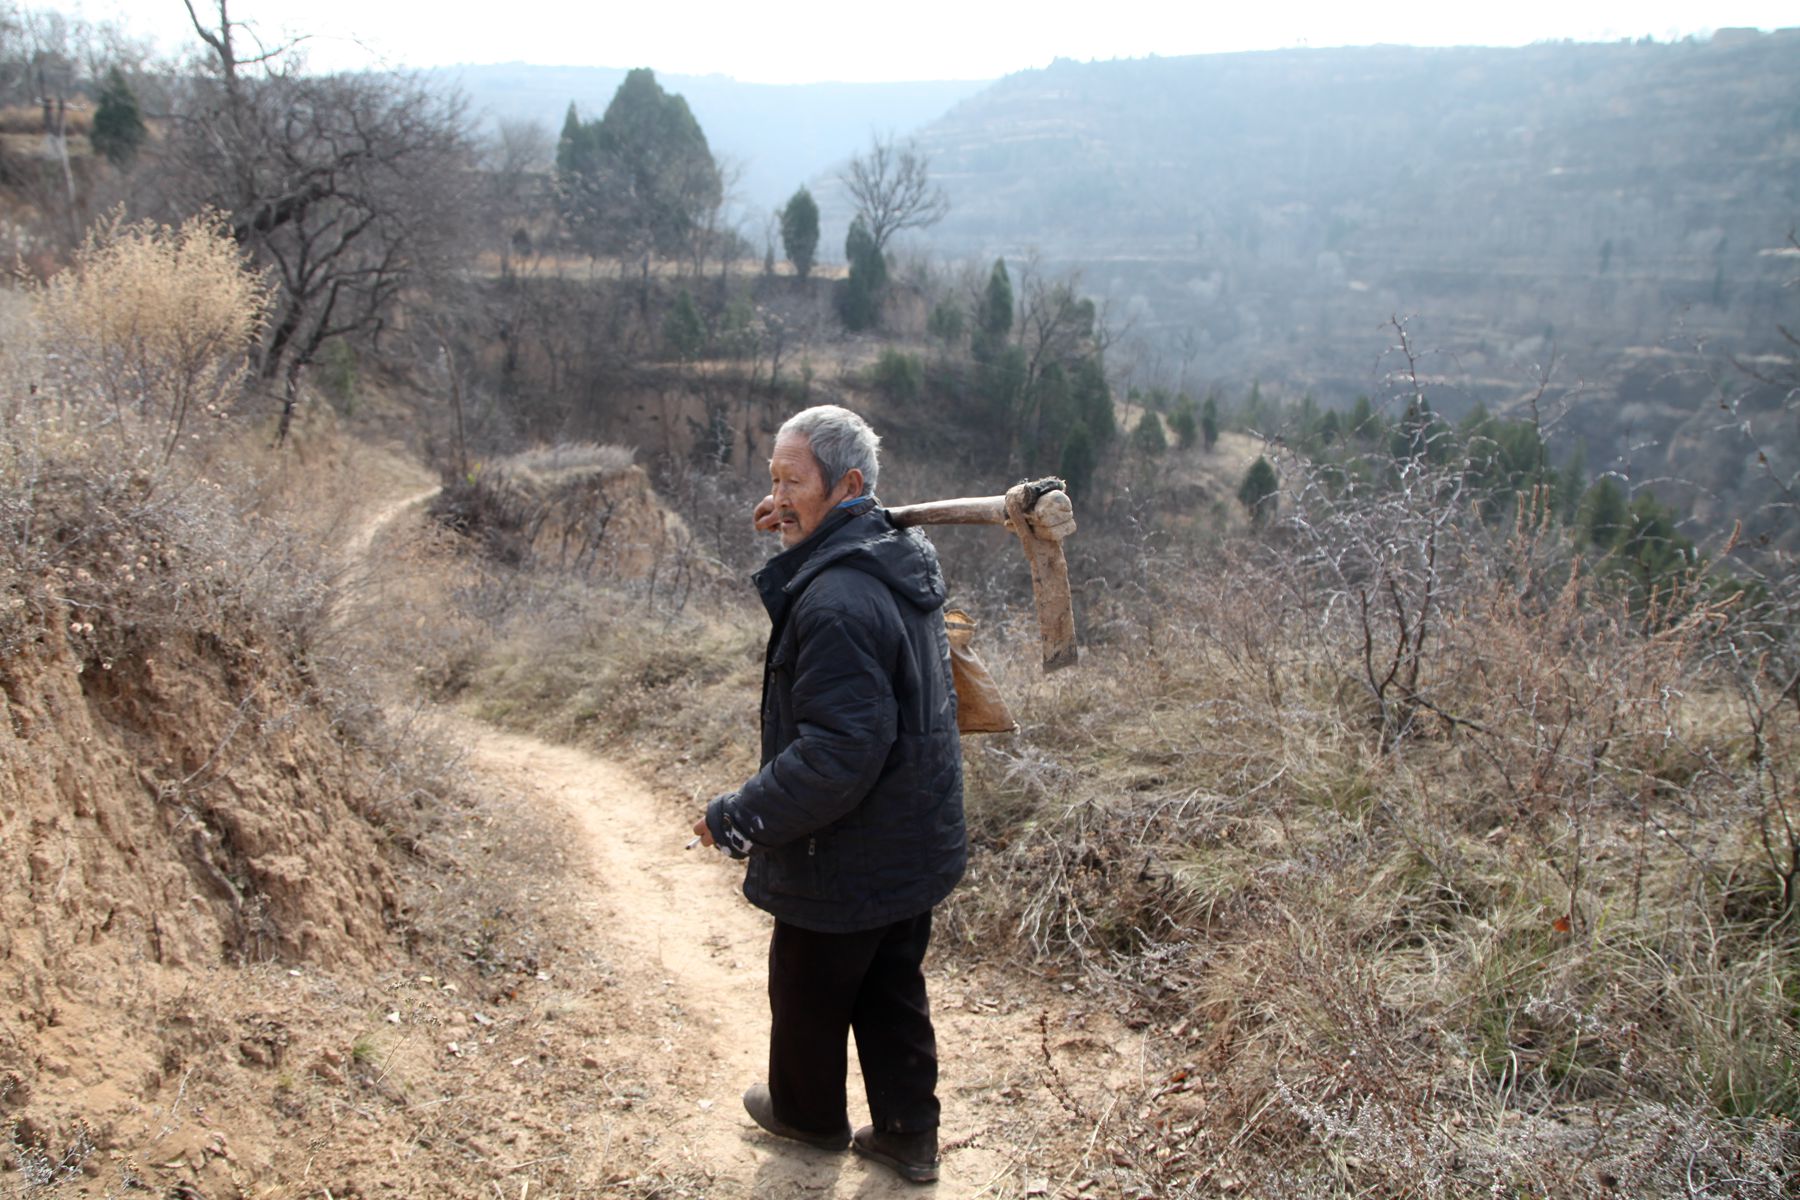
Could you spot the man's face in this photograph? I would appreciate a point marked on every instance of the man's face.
(802, 499)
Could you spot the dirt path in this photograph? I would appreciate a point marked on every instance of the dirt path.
(680, 929)
(357, 548)
(685, 1012)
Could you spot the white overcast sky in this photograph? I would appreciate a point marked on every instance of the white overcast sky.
(813, 40)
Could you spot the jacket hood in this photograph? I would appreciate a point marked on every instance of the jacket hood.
(861, 537)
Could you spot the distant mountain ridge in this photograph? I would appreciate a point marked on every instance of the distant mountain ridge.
(1275, 187)
(779, 135)
(1621, 211)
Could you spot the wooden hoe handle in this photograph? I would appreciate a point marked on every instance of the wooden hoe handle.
(1042, 516)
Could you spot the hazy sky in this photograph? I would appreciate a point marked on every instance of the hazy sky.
(811, 40)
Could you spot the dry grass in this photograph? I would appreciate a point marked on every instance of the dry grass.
(28, 119)
(672, 693)
(1524, 938)
(132, 517)
(118, 533)
(607, 664)
(119, 546)
(564, 457)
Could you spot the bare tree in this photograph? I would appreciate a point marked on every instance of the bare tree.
(1057, 324)
(1057, 330)
(893, 190)
(50, 71)
(348, 188)
(712, 231)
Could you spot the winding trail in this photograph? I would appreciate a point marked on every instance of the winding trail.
(678, 930)
(356, 550)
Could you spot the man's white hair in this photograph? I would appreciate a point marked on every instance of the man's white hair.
(841, 442)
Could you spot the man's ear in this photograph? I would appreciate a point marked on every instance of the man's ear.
(852, 483)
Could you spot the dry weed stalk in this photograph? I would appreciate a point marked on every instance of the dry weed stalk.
(1757, 659)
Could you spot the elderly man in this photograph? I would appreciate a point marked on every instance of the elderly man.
(853, 826)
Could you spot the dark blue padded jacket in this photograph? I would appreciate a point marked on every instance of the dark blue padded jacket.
(855, 819)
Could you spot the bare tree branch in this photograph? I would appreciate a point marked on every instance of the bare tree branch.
(346, 187)
(893, 190)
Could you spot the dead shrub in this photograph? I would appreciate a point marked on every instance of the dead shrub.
(137, 554)
(491, 510)
(151, 324)
(100, 368)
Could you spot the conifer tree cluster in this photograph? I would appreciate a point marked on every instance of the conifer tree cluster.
(640, 180)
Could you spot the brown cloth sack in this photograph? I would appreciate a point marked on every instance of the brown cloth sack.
(979, 708)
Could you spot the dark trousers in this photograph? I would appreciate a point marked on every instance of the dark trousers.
(824, 985)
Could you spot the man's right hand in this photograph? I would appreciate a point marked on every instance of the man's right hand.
(764, 519)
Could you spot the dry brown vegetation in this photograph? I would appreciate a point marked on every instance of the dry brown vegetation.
(1531, 945)
(26, 119)
(1393, 847)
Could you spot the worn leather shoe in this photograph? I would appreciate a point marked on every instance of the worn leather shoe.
(913, 1155)
(761, 1107)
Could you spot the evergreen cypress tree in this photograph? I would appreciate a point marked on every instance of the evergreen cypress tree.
(1569, 484)
(999, 387)
(993, 324)
(1079, 458)
(1148, 438)
(800, 231)
(118, 128)
(684, 332)
(569, 157)
(860, 300)
(1185, 424)
(946, 321)
(641, 179)
(1655, 553)
(1603, 519)
(1093, 401)
(1257, 492)
(1308, 420)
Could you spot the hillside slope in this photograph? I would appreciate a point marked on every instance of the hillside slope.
(1278, 203)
